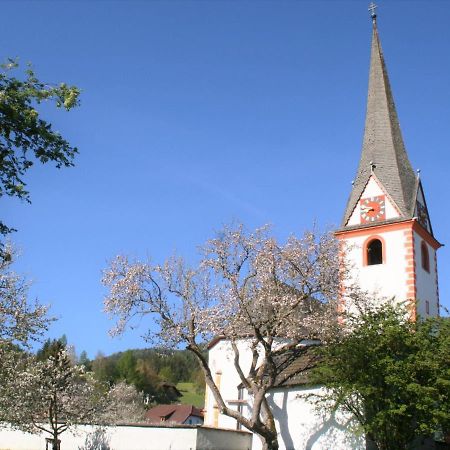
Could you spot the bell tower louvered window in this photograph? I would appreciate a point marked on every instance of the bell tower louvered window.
(374, 252)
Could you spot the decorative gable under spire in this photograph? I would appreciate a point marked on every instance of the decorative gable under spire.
(383, 152)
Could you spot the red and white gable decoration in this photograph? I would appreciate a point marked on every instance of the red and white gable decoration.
(373, 195)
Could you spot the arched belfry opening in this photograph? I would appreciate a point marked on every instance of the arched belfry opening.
(374, 252)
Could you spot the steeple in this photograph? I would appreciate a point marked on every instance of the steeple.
(383, 151)
(386, 233)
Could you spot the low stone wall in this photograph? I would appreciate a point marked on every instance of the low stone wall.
(130, 437)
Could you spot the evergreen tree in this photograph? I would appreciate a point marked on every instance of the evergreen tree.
(104, 369)
(84, 361)
(51, 347)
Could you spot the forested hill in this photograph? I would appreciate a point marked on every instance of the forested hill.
(152, 371)
(148, 369)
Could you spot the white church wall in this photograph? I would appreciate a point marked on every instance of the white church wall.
(426, 282)
(222, 368)
(301, 425)
(221, 361)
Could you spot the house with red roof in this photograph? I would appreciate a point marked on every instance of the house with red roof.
(175, 414)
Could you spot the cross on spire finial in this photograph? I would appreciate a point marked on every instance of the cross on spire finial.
(373, 14)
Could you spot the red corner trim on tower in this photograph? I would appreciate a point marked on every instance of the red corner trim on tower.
(411, 278)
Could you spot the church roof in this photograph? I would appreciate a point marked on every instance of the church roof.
(294, 366)
(383, 150)
(297, 373)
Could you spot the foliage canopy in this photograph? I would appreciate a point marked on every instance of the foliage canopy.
(392, 374)
(25, 137)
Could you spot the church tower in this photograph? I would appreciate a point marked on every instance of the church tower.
(386, 229)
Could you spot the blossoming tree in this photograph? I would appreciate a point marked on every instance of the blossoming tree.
(21, 322)
(51, 394)
(125, 404)
(54, 395)
(245, 286)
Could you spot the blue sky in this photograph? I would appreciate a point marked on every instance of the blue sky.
(197, 113)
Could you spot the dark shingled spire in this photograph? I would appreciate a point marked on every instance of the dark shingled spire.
(383, 143)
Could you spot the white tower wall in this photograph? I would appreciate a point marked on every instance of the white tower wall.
(402, 274)
(389, 279)
(427, 292)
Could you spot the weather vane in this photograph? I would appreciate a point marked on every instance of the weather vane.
(373, 14)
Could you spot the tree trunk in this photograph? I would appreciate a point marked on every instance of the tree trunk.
(56, 442)
(269, 442)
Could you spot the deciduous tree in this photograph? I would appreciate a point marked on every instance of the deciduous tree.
(246, 286)
(25, 137)
(53, 395)
(390, 373)
(21, 321)
(104, 369)
(125, 404)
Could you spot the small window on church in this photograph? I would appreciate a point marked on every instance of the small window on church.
(425, 257)
(427, 307)
(374, 252)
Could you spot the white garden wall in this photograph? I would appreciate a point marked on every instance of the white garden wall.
(135, 438)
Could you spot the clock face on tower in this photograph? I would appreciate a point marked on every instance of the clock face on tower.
(373, 209)
(422, 215)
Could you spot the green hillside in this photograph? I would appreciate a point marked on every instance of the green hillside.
(190, 395)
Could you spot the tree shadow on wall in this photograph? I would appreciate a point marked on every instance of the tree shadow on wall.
(330, 423)
(281, 418)
(97, 440)
(325, 424)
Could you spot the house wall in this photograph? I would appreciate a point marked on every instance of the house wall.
(193, 420)
(135, 438)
